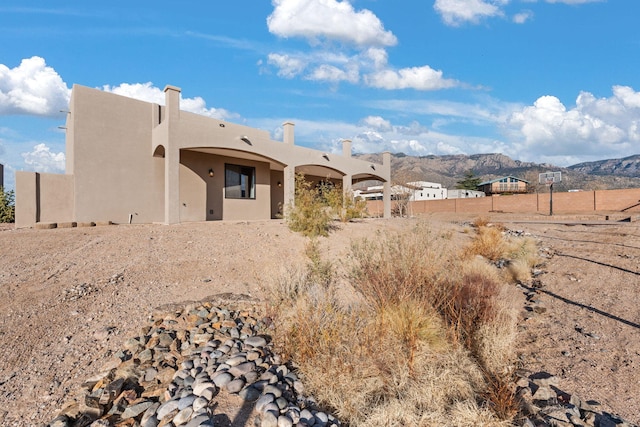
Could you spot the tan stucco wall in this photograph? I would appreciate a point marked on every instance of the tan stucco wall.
(43, 198)
(26, 199)
(277, 194)
(251, 209)
(56, 198)
(114, 170)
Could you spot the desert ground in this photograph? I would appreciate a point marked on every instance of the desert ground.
(69, 298)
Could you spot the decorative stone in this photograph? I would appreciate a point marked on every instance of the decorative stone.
(222, 378)
(183, 416)
(236, 385)
(256, 341)
(167, 408)
(249, 394)
(135, 410)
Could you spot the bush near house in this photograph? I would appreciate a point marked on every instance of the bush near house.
(7, 206)
(417, 330)
(316, 207)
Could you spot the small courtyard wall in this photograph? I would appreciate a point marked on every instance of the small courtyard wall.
(43, 197)
(563, 202)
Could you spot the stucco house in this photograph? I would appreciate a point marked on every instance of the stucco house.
(134, 161)
(504, 185)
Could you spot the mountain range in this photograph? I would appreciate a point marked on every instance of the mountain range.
(450, 169)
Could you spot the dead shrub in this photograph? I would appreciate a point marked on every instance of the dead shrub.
(428, 341)
(489, 243)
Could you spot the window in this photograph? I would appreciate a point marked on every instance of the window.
(239, 182)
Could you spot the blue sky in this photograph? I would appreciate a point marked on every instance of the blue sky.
(552, 81)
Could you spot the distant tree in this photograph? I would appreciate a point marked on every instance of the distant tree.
(469, 182)
(7, 206)
(402, 192)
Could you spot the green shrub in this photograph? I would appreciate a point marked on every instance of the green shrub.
(315, 207)
(7, 206)
(309, 215)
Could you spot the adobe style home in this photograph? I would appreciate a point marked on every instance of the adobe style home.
(134, 161)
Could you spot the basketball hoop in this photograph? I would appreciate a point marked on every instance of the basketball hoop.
(549, 178)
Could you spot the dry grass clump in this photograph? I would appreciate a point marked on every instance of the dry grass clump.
(428, 340)
(519, 253)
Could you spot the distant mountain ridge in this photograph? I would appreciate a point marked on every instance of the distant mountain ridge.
(628, 166)
(449, 169)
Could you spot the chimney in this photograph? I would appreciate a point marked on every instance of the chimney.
(288, 133)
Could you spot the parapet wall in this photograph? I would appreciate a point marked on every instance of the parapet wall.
(627, 200)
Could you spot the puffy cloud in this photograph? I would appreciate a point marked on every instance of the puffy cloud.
(333, 74)
(377, 123)
(604, 127)
(366, 61)
(32, 88)
(149, 93)
(458, 12)
(42, 159)
(522, 17)
(419, 78)
(288, 66)
(316, 20)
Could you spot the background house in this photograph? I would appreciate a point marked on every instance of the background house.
(504, 185)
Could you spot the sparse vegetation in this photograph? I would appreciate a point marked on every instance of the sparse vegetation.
(317, 206)
(415, 331)
(7, 206)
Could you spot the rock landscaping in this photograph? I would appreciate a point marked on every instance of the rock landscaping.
(174, 372)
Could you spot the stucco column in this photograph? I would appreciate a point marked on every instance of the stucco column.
(346, 147)
(288, 136)
(172, 157)
(289, 188)
(386, 188)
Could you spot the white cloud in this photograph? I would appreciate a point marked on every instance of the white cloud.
(522, 17)
(414, 128)
(377, 123)
(317, 20)
(333, 74)
(32, 88)
(605, 127)
(419, 78)
(149, 93)
(42, 159)
(287, 66)
(458, 12)
(367, 61)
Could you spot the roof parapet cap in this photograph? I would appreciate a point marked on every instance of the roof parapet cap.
(170, 87)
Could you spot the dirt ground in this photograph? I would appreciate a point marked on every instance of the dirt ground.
(69, 298)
